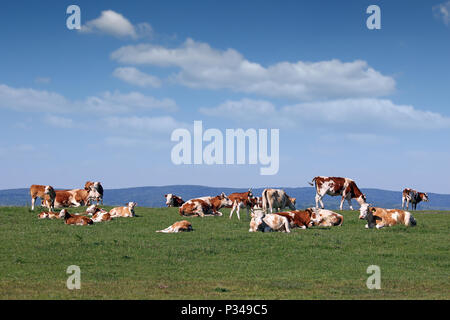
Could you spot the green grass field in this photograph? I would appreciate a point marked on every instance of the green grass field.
(126, 259)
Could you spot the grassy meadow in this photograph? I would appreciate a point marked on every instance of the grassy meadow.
(126, 259)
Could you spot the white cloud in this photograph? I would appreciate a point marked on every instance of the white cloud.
(31, 100)
(115, 24)
(205, 67)
(136, 77)
(60, 122)
(442, 12)
(367, 113)
(162, 124)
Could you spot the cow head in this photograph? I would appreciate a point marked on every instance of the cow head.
(250, 193)
(169, 199)
(293, 201)
(224, 200)
(366, 211)
(256, 221)
(424, 197)
(88, 185)
(92, 209)
(49, 190)
(314, 215)
(65, 213)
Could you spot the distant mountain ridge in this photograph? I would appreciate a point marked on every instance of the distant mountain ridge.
(154, 196)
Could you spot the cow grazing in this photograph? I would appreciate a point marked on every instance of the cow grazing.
(336, 186)
(71, 198)
(173, 200)
(241, 200)
(205, 206)
(379, 217)
(38, 191)
(268, 222)
(125, 212)
(299, 218)
(75, 219)
(413, 196)
(326, 218)
(180, 226)
(276, 199)
(97, 186)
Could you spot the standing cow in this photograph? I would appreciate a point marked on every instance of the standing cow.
(336, 186)
(276, 199)
(241, 200)
(413, 196)
(38, 191)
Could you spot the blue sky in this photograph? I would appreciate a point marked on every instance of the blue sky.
(102, 102)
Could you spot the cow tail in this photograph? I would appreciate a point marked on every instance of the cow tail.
(313, 182)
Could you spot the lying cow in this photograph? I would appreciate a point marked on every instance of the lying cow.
(205, 206)
(98, 214)
(127, 211)
(97, 186)
(413, 196)
(75, 219)
(268, 222)
(241, 200)
(71, 198)
(173, 200)
(276, 199)
(326, 218)
(379, 217)
(179, 226)
(38, 191)
(51, 215)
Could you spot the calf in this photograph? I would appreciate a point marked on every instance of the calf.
(276, 199)
(326, 218)
(179, 226)
(268, 222)
(413, 196)
(98, 214)
(379, 217)
(173, 200)
(205, 206)
(127, 211)
(38, 191)
(241, 200)
(51, 215)
(336, 186)
(76, 219)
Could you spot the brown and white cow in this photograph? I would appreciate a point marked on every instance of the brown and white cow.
(179, 226)
(173, 200)
(326, 218)
(299, 218)
(205, 206)
(51, 215)
(241, 200)
(71, 198)
(336, 186)
(39, 191)
(276, 199)
(98, 214)
(75, 219)
(268, 222)
(125, 212)
(379, 217)
(97, 186)
(413, 196)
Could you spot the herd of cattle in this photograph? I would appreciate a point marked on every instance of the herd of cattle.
(265, 211)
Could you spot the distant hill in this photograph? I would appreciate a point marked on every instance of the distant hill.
(154, 196)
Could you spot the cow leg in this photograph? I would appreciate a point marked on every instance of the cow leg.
(350, 203)
(318, 198)
(232, 209)
(33, 201)
(237, 212)
(342, 203)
